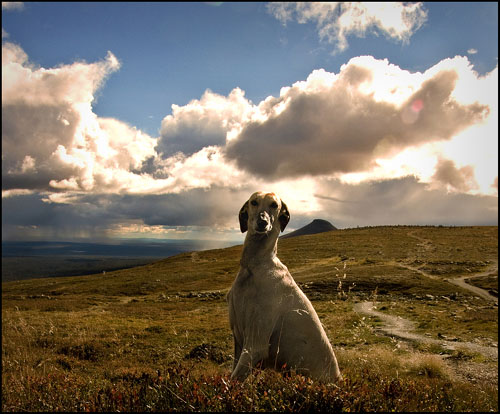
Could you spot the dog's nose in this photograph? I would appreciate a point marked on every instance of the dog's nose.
(262, 221)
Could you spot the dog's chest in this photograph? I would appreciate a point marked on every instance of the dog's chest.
(262, 286)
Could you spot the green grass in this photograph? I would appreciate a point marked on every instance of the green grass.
(157, 337)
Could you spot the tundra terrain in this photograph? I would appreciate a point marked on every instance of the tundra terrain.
(411, 312)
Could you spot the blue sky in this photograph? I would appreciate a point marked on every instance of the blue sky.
(172, 52)
(141, 58)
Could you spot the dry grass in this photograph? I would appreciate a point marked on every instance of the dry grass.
(157, 337)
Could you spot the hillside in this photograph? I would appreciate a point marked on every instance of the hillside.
(315, 227)
(157, 337)
(35, 259)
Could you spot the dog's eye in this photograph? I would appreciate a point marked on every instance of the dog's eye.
(274, 204)
(253, 203)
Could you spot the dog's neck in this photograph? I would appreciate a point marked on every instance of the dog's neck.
(259, 249)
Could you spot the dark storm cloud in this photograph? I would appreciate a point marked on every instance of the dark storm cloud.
(197, 207)
(399, 201)
(403, 201)
(28, 216)
(340, 129)
(95, 215)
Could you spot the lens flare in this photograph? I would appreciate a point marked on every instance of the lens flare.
(411, 112)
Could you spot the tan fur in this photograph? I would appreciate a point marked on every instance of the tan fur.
(273, 322)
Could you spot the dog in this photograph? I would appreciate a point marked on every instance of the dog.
(274, 325)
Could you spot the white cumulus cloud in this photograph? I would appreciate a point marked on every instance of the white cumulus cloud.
(203, 122)
(52, 139)
(336, 21)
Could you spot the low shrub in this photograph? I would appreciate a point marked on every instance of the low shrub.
(175, 389)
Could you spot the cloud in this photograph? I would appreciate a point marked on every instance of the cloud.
(51, 138)
(101, 215)
(22, 81)
(478, 145)
(12, 5)
(319, 144)
(214, 212)
(53, 141)
(472, 51)
(328, 124)
(336, 21)
(203, 122)
(458, 179)
(343, 123)
(202, 169)
(402, 201)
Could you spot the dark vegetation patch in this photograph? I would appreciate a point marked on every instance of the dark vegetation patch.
(208, 351)
(84, 352)
(453, 268)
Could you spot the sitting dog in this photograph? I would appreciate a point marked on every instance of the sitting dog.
(274, 324)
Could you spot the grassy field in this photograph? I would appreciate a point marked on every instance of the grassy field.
(31, 267)
(157, 337)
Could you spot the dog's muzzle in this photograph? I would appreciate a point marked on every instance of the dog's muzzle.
(263, 223)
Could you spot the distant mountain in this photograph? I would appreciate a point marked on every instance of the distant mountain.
(316, 226)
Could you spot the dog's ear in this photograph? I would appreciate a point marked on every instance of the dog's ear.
(243, 216)
(284, 216)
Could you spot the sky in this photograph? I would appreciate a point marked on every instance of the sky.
(159, 120)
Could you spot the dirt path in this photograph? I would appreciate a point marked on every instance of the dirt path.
(426, 244)
(461, 282)
(418, 270)
(399, 327)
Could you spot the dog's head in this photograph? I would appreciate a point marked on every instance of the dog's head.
(263, 213)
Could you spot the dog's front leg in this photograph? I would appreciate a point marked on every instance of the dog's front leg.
(249, 358)
(237, 352)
